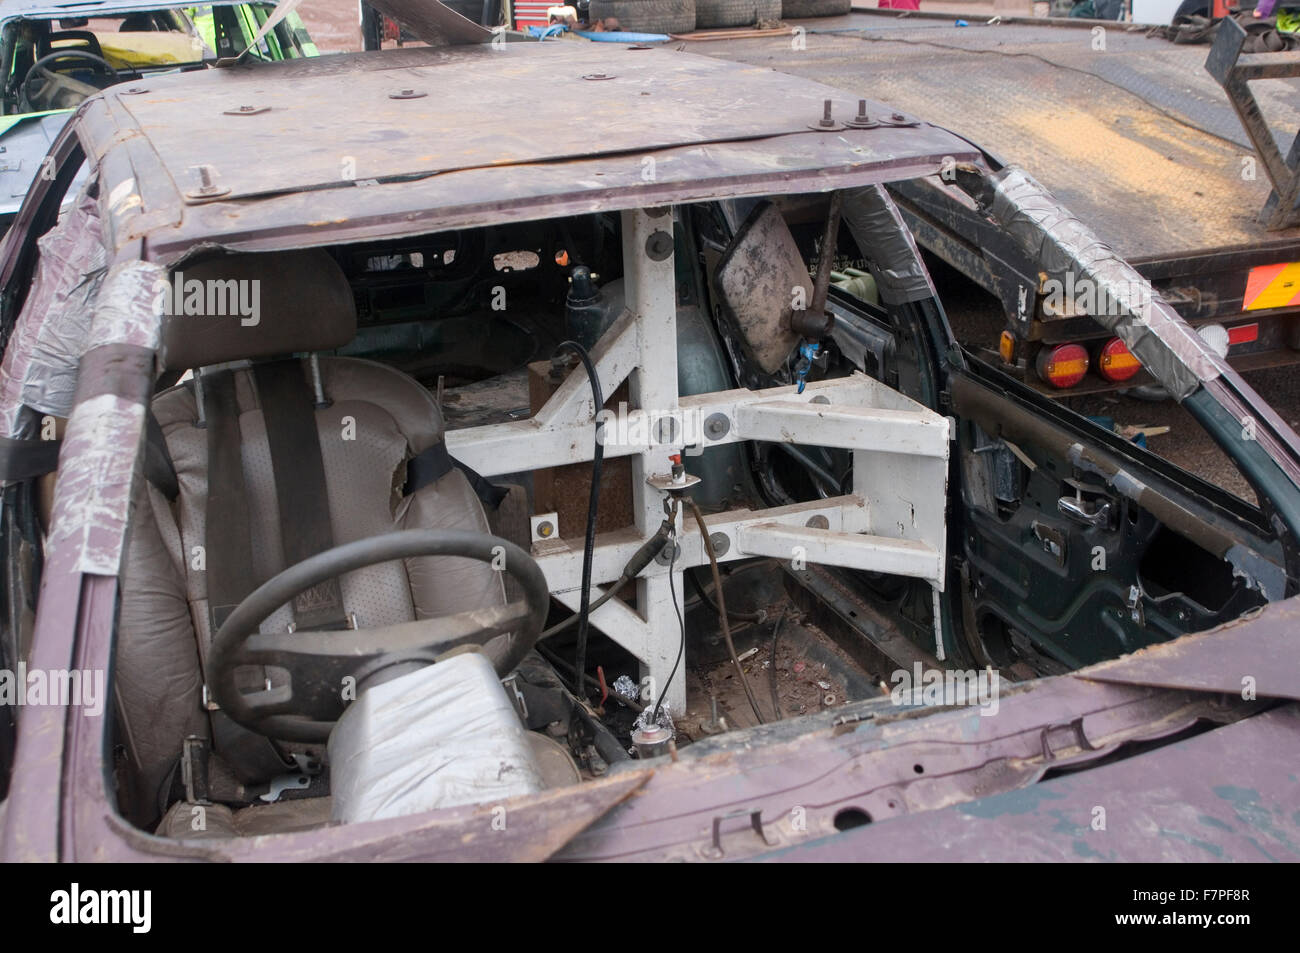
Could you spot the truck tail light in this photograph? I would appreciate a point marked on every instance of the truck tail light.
(1115, 362)
(1243, 334)
(1063, 365)
(1007, 347)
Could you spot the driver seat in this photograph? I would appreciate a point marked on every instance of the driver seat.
(70, 41)
(373, 422)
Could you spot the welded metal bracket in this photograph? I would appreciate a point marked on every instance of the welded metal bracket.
(1234, 73)
(892, 521)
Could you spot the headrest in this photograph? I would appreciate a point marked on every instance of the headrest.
(245, 306)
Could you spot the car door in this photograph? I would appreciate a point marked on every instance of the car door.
(1078, 545)
(1068, 543)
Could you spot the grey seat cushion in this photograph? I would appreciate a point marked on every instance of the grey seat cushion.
(377, 419)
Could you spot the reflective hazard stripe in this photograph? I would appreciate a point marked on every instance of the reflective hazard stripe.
(1273, 286)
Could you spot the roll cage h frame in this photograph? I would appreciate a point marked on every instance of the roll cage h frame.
(895, 442)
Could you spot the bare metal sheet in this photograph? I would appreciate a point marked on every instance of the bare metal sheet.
(1137, 139)
(375, 117)
(1225, 795)
(796, 163)
(1257, 653)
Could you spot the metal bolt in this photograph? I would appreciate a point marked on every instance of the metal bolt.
(827, 122)
(716, 426)
(898, 117)
(545, 529)
(862, 120)
(659, 245)
(669, 553)
(818, 522)
(207, 188)
(720, 543)
(665, 430)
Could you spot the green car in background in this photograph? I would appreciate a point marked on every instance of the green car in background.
(54, 55)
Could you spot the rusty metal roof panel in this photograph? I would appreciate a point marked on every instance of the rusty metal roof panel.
(1139, 141)
(487, 196)
(460, 108)
(471, 135)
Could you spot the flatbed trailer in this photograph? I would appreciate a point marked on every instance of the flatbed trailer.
(1129, 131)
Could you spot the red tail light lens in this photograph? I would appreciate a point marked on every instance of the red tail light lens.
(1063, 366)
(1243, 334)
(1115, 362)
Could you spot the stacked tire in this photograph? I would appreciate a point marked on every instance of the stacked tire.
(647, 16)
(719, 14)
(803, 9)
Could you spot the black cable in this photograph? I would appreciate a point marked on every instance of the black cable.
(681, 622)
(640, 559)
(604, 597)
(771, 662)
(593, 501)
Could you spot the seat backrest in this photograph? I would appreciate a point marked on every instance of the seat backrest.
(68, 41)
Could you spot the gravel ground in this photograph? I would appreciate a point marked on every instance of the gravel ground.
(1187, 444)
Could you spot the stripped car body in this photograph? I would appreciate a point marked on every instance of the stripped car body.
(980, 570)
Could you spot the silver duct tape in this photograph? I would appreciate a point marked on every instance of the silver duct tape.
(1069, 252)
(892, 256)
(50, 335)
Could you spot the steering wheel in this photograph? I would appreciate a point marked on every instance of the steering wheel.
(42, 70)
(319, 662)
